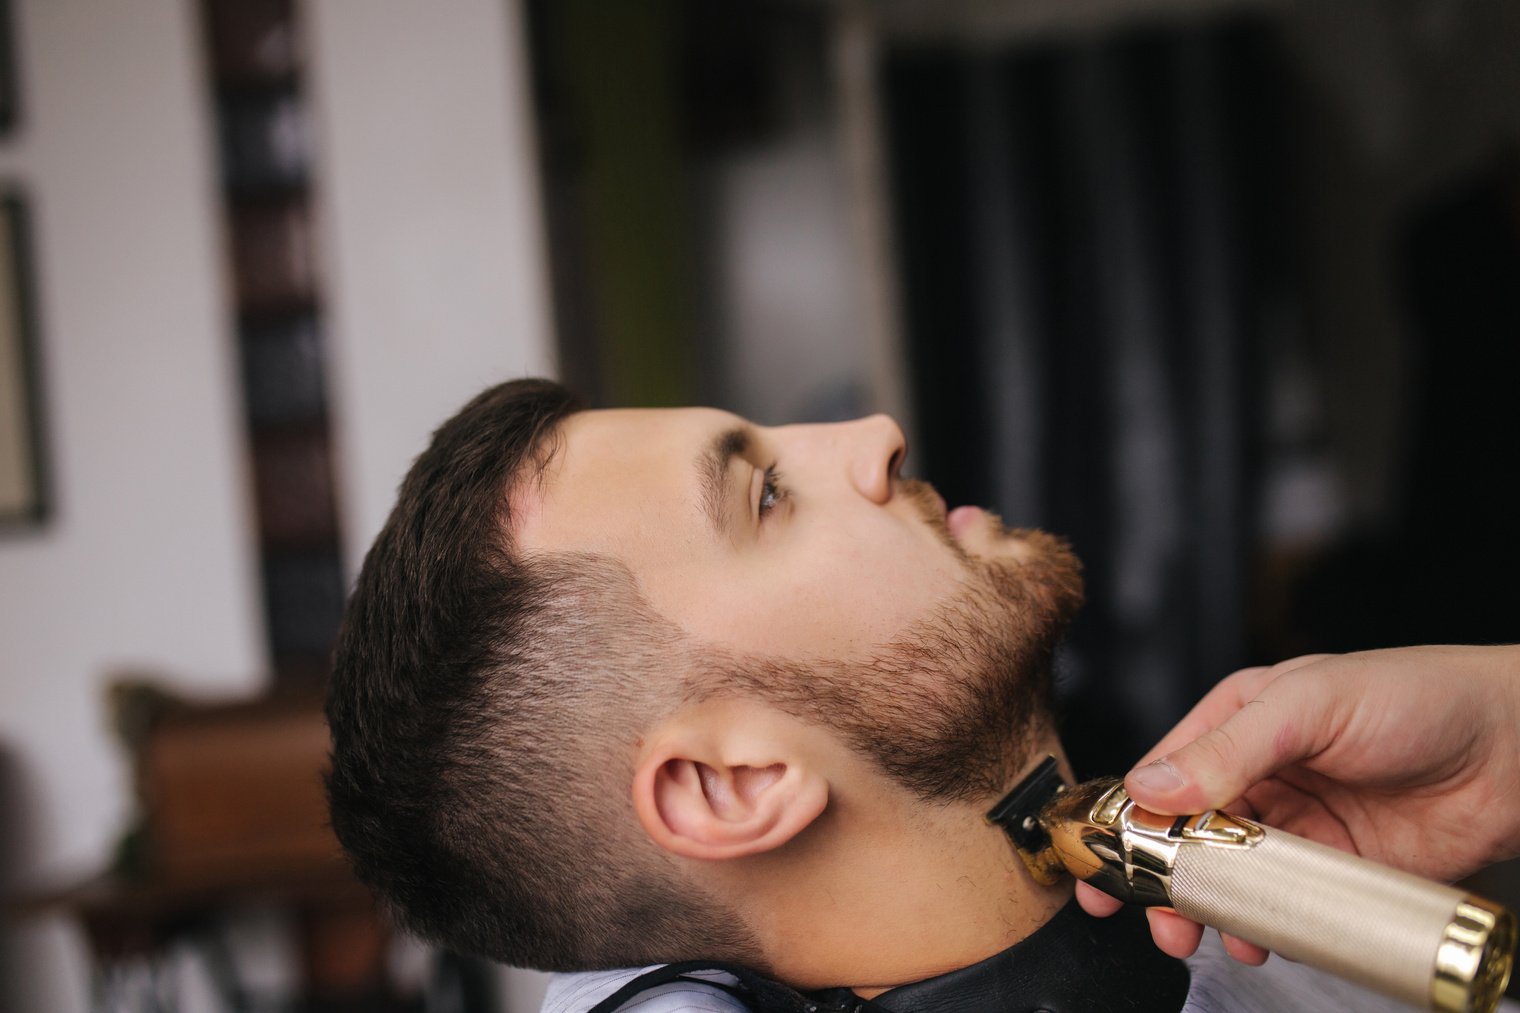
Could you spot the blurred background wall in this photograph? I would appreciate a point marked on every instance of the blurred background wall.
(146, 559)
(1220, 289)
(429, 247)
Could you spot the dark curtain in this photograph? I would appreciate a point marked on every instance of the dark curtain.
(1442, 571)
(1088, 248)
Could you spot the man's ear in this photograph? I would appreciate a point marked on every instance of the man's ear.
(716, 785)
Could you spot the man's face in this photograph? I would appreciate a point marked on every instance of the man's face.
(802, 545)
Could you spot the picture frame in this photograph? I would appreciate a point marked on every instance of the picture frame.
(25, 499)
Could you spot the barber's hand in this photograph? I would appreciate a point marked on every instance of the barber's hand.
(1409, 757)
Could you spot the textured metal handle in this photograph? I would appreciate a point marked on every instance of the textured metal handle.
(1364, 922)
(1424, 943)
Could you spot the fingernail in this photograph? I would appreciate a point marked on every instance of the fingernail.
(1157, 776)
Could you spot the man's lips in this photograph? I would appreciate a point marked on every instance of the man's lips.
(961, 518)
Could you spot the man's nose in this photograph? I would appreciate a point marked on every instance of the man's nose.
(877, 448)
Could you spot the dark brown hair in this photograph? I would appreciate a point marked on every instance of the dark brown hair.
(483, 708)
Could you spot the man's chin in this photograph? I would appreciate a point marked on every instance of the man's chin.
(978, 533)
(992, 542)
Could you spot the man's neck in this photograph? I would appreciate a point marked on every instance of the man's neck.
(888, 896)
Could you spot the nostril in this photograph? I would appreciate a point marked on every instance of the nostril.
(894, 466)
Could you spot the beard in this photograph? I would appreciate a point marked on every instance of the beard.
(950, 708)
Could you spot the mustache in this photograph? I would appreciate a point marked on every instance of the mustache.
(923, 498)
(930, 507)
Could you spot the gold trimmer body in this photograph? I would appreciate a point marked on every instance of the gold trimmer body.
(1421, 942)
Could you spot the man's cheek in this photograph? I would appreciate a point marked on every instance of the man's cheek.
(798, 615)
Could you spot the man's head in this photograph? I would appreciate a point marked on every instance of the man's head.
(593, 654)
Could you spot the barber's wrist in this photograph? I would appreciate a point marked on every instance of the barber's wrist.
(1512, 666)
(1507, 672)
(1506, 755)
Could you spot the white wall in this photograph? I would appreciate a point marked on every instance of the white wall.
(428, 190)
(435, 287)
(147, 563)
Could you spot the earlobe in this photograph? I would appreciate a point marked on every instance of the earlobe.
(711, 810)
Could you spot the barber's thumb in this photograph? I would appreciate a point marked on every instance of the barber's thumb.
(1210, 772)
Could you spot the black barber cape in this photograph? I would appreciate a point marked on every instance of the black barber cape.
(1074, 964)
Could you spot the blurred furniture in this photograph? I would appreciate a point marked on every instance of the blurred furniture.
(233, 816)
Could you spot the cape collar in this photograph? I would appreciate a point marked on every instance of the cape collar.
(1075, 963)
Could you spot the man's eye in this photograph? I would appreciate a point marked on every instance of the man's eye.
(772, 493)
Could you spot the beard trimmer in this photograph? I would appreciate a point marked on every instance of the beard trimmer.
(1421, 942)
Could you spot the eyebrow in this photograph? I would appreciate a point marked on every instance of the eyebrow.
(713, 471)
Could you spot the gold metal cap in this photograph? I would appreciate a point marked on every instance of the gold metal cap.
(1475, 958)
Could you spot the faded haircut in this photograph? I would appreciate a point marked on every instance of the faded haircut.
(483, 710)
